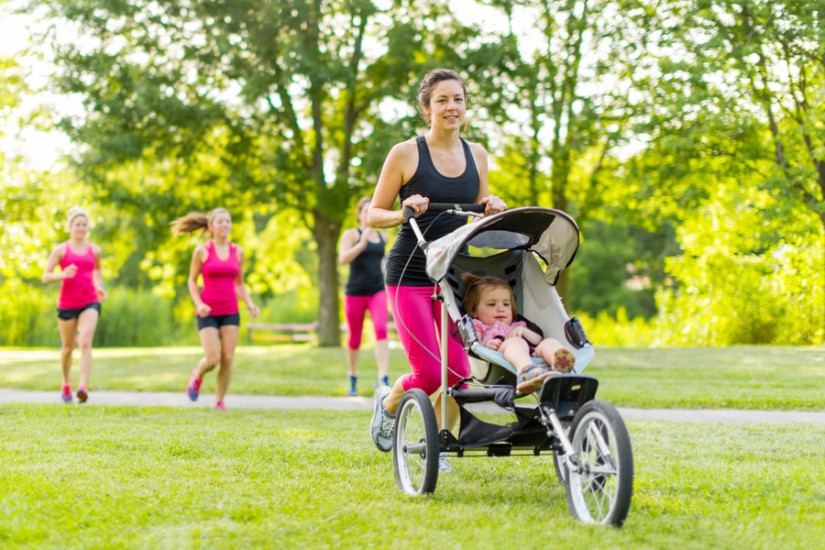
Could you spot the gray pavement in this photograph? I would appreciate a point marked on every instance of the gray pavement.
(178, 399)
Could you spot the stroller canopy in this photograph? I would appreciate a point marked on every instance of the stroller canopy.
(551, 234)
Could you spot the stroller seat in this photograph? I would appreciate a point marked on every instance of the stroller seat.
(538, 303)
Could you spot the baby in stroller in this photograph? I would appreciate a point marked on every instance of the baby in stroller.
(492, 305)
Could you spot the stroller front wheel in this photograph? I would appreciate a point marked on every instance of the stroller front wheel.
(599, 476)
(416, 449)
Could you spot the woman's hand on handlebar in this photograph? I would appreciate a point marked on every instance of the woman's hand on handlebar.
(493, 205)
(417, 203)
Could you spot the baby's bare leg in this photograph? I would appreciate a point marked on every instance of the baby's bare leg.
(517, 352)
(556, 355)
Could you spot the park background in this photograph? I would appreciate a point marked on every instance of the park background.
(686, 138)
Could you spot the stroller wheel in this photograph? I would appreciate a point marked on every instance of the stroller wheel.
(560, 465)
(416, 449)
(600, 488)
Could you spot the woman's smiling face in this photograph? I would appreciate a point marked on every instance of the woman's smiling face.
(221, 225)
(448, 106)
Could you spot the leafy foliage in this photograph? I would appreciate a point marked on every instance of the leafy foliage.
(685, 138)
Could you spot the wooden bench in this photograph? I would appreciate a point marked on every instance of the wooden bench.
(294, 332)
(287, 332)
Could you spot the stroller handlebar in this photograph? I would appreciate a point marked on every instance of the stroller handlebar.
(453, 208)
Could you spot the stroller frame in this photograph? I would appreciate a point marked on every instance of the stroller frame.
(587, 437)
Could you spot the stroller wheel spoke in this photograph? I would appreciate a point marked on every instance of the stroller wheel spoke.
(415, 453)
(600, 491)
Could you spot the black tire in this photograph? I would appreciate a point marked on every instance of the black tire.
(416, 449)
(601, 490)
(560, 460)
(560, 466)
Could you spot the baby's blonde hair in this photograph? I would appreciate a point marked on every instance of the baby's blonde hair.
(474, 286)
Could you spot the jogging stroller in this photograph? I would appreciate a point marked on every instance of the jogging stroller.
(587, 438)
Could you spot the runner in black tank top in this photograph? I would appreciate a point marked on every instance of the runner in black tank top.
(365, 274)
(363, 249)
(428, 182)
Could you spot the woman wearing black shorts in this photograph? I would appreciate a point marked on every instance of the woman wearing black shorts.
(219, 263)
(78, 307)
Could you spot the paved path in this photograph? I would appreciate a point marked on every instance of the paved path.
(178, 399)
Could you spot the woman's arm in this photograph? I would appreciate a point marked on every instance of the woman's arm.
(201, 309)
(97, 274)
(240, 287)
(54, 258)
(351, 246)
(398, 168)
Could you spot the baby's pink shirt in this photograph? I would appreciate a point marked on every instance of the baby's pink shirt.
(488, 332)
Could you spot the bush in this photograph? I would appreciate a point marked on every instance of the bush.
(29, 315)
(130, 317)
(619, 331)
(135, 317)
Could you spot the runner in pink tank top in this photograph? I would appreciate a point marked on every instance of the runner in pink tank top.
(220, 264)
(78, 306)
(78, 291)
(219, 278)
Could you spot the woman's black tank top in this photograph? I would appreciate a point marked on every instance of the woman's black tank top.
(428, 182)
(365, 275)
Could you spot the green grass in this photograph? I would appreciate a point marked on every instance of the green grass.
(746, 377)
(120, 477)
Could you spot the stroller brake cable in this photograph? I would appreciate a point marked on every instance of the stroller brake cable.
(401, 278)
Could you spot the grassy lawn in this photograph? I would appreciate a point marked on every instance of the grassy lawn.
(120, 477)
(747, 377)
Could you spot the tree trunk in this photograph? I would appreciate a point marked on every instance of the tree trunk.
(326, 232)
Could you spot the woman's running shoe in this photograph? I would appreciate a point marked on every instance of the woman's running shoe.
(66, 394)
(194, 387)
(82, 394)
(220, 406)
(382, 426)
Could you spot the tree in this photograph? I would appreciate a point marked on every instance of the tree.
(567, 101)
(287, 102)
(741, 95)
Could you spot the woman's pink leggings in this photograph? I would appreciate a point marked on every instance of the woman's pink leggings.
(356, 307)
(417, 318)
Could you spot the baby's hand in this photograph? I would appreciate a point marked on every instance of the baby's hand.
(493, 344)
(517, 332)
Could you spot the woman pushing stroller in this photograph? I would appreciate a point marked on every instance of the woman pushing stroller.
(440, 167)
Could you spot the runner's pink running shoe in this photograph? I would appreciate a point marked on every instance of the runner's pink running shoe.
(66, 394)
(82, 394)
(194, 387)
(220, 406)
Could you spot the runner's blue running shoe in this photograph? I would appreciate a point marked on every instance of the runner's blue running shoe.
(382, 428)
